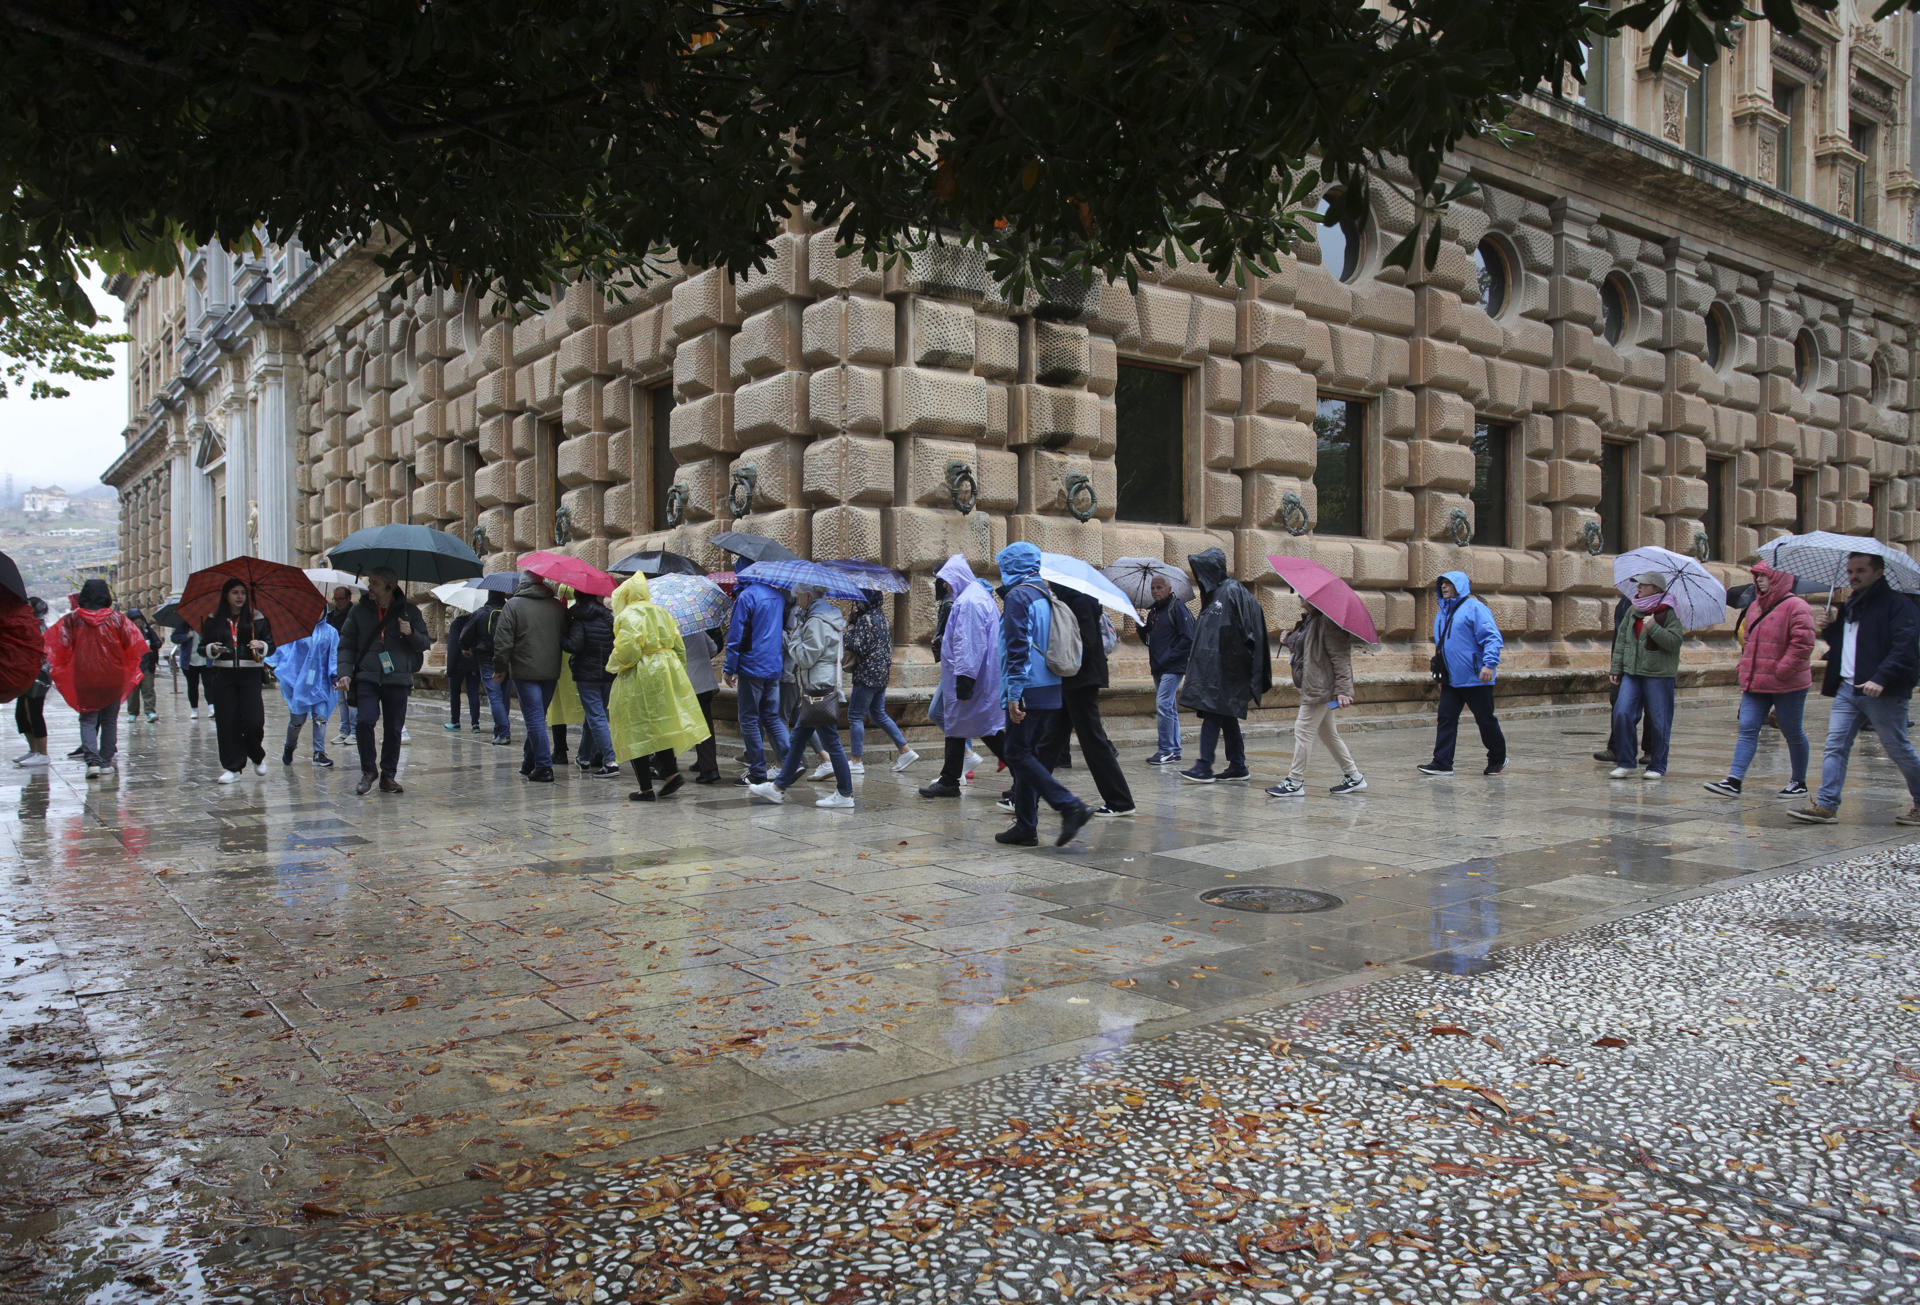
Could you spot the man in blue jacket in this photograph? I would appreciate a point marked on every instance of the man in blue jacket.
(756, 643)
(1030, 691)
(1872, 663)
(1467, 643)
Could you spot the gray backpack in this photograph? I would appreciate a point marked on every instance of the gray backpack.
(1064, 650)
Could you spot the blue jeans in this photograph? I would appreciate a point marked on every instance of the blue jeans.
(863, 701)
(300, 718)
(759, 712)
(534, 696)
(1166, 710)
(1791, 709)
(596, 738)
(828, 737)
(497, 691)
(1887, 717)
(349, 723)
(1031, 780)
(1652, 694)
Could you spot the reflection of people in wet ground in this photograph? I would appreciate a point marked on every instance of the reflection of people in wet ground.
(30, 708)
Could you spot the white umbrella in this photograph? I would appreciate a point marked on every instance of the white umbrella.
(1081, 577)
(326, 580)
(1696, 597)
(1819, 559)
(460, 596)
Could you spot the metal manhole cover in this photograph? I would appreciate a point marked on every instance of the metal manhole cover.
(1269, 900)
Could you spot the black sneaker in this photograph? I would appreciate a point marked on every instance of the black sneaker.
(1235, 772)
(1495, 769)
(1431, 769)
(286, 756)
(1730, 787)
(641, 795)
(745, 780)
(941, 788)
(1163, 758)
(673, 785)
(1795, 789)
(1017, 837)
(501, 740)
(1604, 756)
(323, 761)
(1288, 788)
(1072, 821)
(526, 768)
(560, 758)
(1106, 812)
(544, 775)
(606, 772)
(1198, 775)
(1004, 804)
(1349, 784)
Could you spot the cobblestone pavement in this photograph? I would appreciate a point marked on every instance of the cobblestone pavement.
(234, 1012)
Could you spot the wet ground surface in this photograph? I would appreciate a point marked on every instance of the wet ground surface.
(243, 1021)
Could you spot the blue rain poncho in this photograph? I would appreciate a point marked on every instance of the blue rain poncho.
(305, 669)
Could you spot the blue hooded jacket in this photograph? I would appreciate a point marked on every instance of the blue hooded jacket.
(1026, 622)
(757, 635)
(1473, 640)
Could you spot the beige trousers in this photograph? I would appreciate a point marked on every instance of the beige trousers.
(1315, 721)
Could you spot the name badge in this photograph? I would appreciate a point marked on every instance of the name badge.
(386, 664)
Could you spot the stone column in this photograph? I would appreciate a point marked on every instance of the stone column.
(180, 515)
(273, 444)
(240, 463)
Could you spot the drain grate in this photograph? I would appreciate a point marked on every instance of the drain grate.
(1270, 900)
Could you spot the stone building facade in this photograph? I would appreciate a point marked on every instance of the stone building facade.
(1681, 312)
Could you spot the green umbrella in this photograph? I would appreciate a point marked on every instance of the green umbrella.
(417, 554)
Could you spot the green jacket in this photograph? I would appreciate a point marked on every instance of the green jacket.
(1656, 654)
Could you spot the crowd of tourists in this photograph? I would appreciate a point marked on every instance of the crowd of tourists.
(1022, 667)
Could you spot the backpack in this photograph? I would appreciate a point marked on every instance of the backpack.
(1064, 650)
(1109, 637)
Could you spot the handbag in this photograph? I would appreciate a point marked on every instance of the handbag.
(820, 709)
(1437, 664)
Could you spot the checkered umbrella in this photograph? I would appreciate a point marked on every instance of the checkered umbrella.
(812, 575)
(1819, 559)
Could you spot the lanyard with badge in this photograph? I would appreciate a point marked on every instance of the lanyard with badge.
(386, 658)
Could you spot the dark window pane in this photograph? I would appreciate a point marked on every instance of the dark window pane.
(660, 421)
(1492, 459)
(1714, 522)
(1806, 503)
(1339, 245)
(1150, 407)
(1340, 428)
(1491, 265)
(1613, 497)
(1716, 339)
(1613, 310)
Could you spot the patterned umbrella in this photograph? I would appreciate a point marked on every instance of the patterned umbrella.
(786, 575)
(416, 554)
(693, 601)
(873, 575)
(1819, 559)
(1135, 576)
(279, 592)
(1696, 597)
(559, 569)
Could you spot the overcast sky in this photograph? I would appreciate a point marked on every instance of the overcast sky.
(68, 442)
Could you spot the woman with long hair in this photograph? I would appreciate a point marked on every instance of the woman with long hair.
(235, 641)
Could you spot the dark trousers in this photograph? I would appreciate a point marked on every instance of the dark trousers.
(1479, 699)
(1211, 728)
(1615, 743)
(1031, 779)
(239, 721)
(706, 753)
(467, 681)
(663, 761)
(952, 764)
(385, 705)
(1080, 716)
(192, 673)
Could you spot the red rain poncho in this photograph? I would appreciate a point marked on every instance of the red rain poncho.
(21, 649)
(95, 654)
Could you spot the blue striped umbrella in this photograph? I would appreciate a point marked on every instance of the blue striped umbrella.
(872, 575)
(811, 575)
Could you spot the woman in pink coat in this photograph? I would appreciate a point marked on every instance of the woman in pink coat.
(1776, 670)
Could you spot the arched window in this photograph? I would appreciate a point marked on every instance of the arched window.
(1806, 359)
(1616, 307)
(1879, 381)
(1494, 263)
(1720, 337)
(1340, 242)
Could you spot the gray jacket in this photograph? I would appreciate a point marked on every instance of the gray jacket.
(700, 652)
(526, 641)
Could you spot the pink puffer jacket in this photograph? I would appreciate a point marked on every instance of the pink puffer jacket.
(1778, 656)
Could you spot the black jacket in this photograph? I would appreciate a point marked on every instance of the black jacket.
(1885, 649)
(236, 664)
(1231, 663)
(589, 640)
(1168, 635)
(364, 636)
(477, 639)
(459, 662)
(1093, 653)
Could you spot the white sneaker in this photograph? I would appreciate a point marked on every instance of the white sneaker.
(904, 760)
(228, 777)
(194, 714)
(767, 791)
(35, 761)
(259, 767)
(1653, 774)
(971, 762)
(93, 772)
(854, 768)
(404, 736)
(1620, 772)
(835, 800)
(822, 770)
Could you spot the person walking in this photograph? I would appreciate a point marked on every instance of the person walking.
(701, 648)
(143, 692)
(305, 671)
(1079, 714)
(652, 709)
(588, 643)
(381, 644)
(236, 642)
(1229, 666)
(1321, 657)
(756, 638)
(1615, 744)
(337, 611)
(477, 641)
(968, 648)
(1872, 663)
(186, 655)
(1167, 630)
(1775, 672)
(870, 650)
(1029, 692)
(815, 652)
(463, 675)
(94, 655)
(30, 708)
(1646, 661)
(1466, 657)
(526, 650)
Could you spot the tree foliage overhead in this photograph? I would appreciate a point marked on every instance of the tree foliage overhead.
(513, 142)
(40, 344)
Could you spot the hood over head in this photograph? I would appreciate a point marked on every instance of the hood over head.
(95, 595)
(1458, 579)
(495, 598)
(956, 573)
(823, 609)
(1018, 563)
(1209, 567)
(634, 589)
(532, 587)
(1780, 585)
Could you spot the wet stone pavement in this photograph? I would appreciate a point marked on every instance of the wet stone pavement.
(1567, 1036)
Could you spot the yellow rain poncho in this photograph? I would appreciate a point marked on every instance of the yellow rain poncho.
(653, 707)
(565, 708)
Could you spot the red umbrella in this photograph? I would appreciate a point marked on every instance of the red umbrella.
(558, 568)
(281, 593)
(1331, 596)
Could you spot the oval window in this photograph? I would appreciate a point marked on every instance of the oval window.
(1490, 261)
(1616, 307)
(1806, 359)
(1339, 243)
(1720, 336)
(1879, 380)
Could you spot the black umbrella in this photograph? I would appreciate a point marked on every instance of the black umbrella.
(416, 554)
(755, 547)
(497, 582)
(656, 561)
(169, 614)
(10, 578)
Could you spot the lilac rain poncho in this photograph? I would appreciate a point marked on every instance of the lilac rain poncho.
(971, 648)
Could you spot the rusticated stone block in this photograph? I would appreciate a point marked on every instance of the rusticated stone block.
(1434, 465)
(846, 531)
(1270, 330)
(831, 273)
(496, 439)
(1278, 390)
(584, 354)
(1270, 444)
(494, 485)
(779, 468)
(1162, 316)
(924, 537)
(493, 393)
(767, 342)
(1081, 539)
(925, 401)
(700, 365)
(1044, 476)
(854, 330)
(770, 409)
(1062, 354)
(791, 527)
(703, 426)
(843, 398)
(939, 334)
(619, 512)
(1220, 387)
(1054, 419)
(1217, 440)
(703, 302)
(580, 408)
(848, 469)
(1103, 370)
(783, 277)
(583, 461)
(1221, 498)
(997, 347)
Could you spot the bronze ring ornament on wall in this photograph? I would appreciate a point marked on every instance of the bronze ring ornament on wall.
(962, 487)
(1460, 526)
(1702, 546)
(479, 540)
(740, 490)
(563, 525)
(1596, 538)
(1080, 490)
(678, 497)
(1293, 514)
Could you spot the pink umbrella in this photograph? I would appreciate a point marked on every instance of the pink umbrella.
(1331, 596)
(559, 569)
